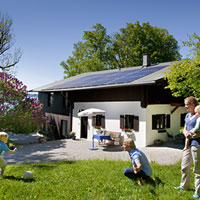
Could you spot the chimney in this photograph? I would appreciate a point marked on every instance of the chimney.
(146, 60)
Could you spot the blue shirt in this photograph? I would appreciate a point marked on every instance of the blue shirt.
(138, 156)
(3, 147)
(190, 124)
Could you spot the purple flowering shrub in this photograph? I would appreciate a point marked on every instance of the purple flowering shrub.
(18, 112)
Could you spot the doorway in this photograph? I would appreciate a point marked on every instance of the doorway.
(84, 127)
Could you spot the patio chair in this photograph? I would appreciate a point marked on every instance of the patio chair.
(116, 137)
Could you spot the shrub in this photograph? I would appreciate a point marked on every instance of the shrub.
(18, 112)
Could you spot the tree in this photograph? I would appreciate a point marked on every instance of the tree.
(100, 51)
(135, 40)
(90, 55)
(184, 76)
(18, 112)
(7, 59)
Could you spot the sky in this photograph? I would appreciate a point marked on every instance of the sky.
(46, 30)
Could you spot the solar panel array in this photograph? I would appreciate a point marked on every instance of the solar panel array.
(107, 78)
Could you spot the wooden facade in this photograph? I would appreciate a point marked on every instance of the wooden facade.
(64, 100)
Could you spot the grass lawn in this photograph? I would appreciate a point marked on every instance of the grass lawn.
(89, 180)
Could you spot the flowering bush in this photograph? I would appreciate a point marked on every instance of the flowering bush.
(127, 130)
(97, 127)
(18, 112)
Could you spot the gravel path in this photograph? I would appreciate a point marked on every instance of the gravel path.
(71, 150)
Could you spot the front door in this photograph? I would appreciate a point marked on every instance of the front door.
(84, 127)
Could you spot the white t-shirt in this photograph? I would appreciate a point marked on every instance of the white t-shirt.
(197, 126)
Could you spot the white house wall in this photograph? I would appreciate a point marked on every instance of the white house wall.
(175, 121)
(112, 118)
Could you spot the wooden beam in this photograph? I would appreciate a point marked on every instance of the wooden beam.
(174, 110)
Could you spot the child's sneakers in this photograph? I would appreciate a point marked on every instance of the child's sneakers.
(179, 188)
(196, 196)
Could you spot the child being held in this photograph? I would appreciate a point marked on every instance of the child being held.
(4, 148)
(195, 130)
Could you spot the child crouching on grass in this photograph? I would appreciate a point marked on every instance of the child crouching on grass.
(4, 148)
(141, 169)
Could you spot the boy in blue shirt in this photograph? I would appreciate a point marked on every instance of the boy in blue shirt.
(141, 168)
(4, 148)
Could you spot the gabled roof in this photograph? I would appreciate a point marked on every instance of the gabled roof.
(110, 78)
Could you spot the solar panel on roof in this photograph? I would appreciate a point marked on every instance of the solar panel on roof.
(108, 78)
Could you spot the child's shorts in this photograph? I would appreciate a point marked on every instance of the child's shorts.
(2, 162)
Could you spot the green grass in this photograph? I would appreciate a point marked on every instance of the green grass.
(89, 180)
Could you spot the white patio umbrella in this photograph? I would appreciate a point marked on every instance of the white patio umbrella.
(91, 112)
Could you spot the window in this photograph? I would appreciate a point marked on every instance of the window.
(98, 120)
(66, 101)
(50, 99)
(160, 121)
(129, 122)
(183, 119)
(64, 128)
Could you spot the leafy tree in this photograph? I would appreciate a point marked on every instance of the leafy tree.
(183, 77)
(100, 51)
(90, 55)
(18, 112)
(7, 59)
(133, 41)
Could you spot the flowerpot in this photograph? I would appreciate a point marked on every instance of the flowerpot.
(73, 137)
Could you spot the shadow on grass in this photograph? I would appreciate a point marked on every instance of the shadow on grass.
(153, 181)
(18, 179)
(51, 165)
(158, 181)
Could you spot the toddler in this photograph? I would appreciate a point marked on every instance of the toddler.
(196, 129)
(4, 148)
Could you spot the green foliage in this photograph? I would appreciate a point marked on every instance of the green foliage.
(72, 134)
(18, 112)
(183, 77)
(90, 180)
(90, 55)
(135, 40)
(99, 51)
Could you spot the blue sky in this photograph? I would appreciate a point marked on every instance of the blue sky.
(46, 30)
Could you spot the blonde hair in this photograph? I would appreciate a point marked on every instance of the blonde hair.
(130, 143)
(197, 109)
(192, 100)
(3, 135)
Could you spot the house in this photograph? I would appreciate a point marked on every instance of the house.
(134, 100)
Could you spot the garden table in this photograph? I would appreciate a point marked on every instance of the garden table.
(99, 137)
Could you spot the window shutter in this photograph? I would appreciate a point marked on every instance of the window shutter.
(154, 122)
(93, 120)
(167, 121)
(122, 121)
(136, 123)
(103, 121)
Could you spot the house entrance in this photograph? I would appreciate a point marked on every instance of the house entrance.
(84, 127)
